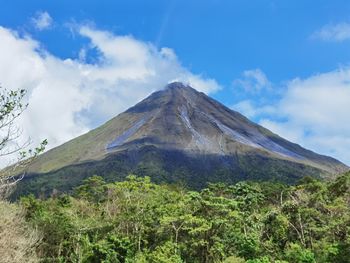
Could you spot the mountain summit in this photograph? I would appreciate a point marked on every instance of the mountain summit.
(179, 134)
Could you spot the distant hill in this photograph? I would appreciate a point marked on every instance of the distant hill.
(177, 135)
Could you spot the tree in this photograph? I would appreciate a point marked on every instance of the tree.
(94, 189)
(17, 238)
(11, 107)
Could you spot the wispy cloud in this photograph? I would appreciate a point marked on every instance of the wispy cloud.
(333, 32)
(252, 81)
(42, 20)
(252, 89)
(253, 109)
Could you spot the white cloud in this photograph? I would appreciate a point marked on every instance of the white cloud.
(69, 97)
(42, 20)
(333, 32)
(253, 90)
(253, 81)
(250, 109)
(316, 113)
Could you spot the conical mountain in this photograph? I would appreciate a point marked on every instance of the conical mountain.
(178, 134)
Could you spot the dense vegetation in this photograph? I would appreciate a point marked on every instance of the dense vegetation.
(18, 238)
(167, 166)
(139, 221)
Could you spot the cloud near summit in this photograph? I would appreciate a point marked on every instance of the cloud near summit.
(67, 97)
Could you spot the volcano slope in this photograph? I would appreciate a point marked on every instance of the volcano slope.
(177, 135)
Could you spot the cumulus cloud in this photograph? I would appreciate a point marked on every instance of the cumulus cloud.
(42, 20)
(67, 97)
(333, 32)
(315, 113)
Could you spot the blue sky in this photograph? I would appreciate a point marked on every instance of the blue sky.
(284, 64)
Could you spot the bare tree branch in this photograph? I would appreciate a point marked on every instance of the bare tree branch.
(11, 107)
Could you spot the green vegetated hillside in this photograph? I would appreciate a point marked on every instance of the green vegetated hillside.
(139, 221)
(194, 171)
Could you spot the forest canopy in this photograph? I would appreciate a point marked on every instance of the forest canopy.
(138, 221)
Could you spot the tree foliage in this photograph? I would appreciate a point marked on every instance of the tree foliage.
(139, 221)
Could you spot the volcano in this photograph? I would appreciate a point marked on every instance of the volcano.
(178, 135)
